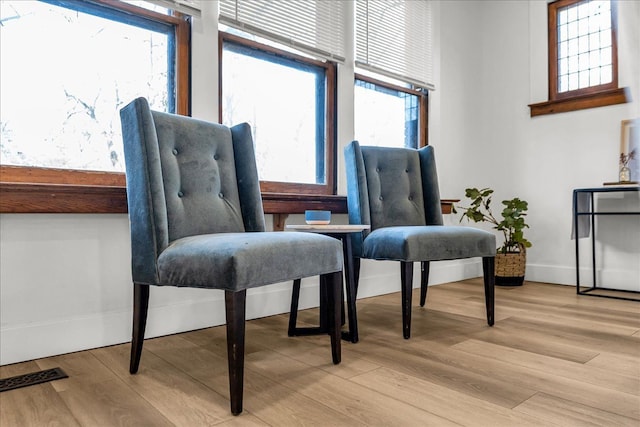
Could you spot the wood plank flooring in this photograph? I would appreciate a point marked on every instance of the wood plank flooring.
(552, 359)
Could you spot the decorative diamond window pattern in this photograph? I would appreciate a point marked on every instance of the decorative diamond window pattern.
(585, 47)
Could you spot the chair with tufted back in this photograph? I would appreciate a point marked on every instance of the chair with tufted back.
(197, 221)
(395, 191)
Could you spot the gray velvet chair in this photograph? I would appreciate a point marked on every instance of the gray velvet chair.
(197, 221)
(395, 191)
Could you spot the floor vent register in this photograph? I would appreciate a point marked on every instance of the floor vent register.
(33, 378)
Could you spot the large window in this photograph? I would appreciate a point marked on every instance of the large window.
(583, 61)
(388, 115)
(66, 114)
(61, 91)
(393, 46)
(288, 101)
(584, 48)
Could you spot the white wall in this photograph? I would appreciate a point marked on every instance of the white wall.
(484, 135)
(65, 281)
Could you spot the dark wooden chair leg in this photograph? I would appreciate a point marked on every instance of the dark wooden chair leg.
(333, 286)
(349, 275)
(140, 310)
(324, 319)
(235, 303)
(488, 269)
(356, 274)
(406, 277)
(424, 279)
(293, 313)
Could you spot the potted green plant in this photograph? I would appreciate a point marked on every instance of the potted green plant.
(511, 256)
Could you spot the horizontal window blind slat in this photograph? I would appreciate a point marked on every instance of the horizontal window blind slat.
(316, 26)
(403, 78)
(188, 7)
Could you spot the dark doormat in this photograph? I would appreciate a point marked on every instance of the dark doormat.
(33, 378)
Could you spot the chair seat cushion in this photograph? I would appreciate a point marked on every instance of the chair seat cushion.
(237, 261)
(428, 243)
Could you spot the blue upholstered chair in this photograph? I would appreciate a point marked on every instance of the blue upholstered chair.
(395, 191)
(197, 221)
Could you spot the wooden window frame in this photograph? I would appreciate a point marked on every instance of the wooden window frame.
(329, 187)
(50, 190)
(579, 99)
(423, 97)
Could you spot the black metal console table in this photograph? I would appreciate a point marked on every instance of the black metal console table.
(579, 202)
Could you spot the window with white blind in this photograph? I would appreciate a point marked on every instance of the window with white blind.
(278, 73)
(393, 38)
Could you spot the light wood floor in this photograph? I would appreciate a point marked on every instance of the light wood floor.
(552, 359)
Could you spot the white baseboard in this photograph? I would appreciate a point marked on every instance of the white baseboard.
(30, 341)
(611, 278)
(36, 340)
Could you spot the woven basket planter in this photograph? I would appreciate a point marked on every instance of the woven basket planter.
(510, 268)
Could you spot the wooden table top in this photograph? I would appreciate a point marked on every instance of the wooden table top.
(327, 228)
